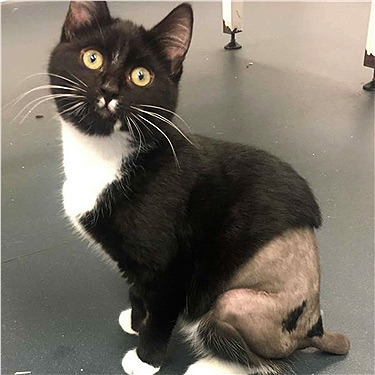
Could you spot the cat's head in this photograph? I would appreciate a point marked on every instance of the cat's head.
(104, 67)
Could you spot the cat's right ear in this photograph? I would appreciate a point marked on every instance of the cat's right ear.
(83, 14)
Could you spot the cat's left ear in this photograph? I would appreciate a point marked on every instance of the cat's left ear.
(173, 34)
(83, 14)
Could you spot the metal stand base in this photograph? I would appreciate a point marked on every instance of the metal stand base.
(369, 86)
(233, 44)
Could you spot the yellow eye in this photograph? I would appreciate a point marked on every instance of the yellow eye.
(92, 59)
(141, 77)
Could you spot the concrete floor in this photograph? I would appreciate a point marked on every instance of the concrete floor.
(302, 99)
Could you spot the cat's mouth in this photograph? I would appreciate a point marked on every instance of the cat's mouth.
(105, 113)
(107, 109)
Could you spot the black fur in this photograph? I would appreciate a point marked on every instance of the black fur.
(177, 234)
(290, 323)
(317, 329)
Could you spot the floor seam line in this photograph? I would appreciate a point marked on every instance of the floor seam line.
(35, 252)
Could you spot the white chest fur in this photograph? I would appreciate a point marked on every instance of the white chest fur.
(91, 163)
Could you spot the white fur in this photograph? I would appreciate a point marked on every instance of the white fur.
(91, 163)
(112, 105)
(101, 102)
(190, 331)
(214, 366)
(117, 125)
(125, 322)
(133, 365)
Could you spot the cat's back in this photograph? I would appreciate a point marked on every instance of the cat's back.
(246, 164)
(259, 182)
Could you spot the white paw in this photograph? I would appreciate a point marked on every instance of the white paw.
(132, 365)
(125, 321)
(214, 366)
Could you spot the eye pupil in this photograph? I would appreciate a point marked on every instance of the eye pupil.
(93, 58)
(141, 75)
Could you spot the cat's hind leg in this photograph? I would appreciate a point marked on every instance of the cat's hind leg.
(247, 331)
(261, 320)
(243, 331)
(224, 350)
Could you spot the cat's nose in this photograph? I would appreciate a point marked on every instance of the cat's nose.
(109, 91)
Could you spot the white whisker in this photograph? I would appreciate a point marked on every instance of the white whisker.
(139, 134)
(65, 106)
(130, 127)
(162, 118)
(147, 128)
(45, 98)
(75, 106)
(81, 109)
(33, 101)
(53, 75)
(83, 83)
(167, 110)
(166, 137)
(15, 101)
(82, 118)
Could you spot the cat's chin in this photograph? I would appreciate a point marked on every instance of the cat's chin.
(100, 126)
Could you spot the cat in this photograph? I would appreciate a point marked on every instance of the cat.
(215, 237)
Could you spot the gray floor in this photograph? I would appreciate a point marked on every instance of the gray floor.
(301, 99)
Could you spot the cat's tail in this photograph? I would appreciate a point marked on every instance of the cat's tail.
(224, 351)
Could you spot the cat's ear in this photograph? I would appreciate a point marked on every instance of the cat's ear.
(173, 34)
(83, 14)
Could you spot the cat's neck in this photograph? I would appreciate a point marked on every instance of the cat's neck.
(90, 163)
(93, 151)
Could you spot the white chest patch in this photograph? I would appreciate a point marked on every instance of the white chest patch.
(91, 163)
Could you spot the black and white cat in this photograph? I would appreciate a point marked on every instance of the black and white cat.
(219, 236)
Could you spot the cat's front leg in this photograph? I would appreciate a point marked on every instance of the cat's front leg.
(133, 319)
(133, 365)
(154, 336)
